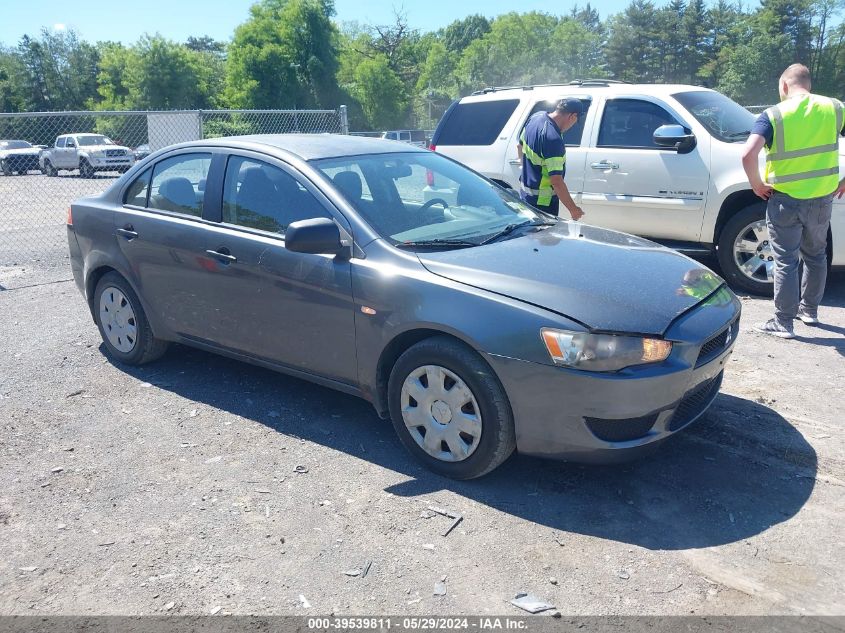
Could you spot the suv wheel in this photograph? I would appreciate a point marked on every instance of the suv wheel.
(85, 169)
(745, 251)
(449, 409)
(123, 325)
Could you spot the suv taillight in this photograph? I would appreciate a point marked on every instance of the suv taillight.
(432, 147)
(70, 216)
(429, 177)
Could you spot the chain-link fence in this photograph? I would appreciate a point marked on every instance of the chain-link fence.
(49, 159)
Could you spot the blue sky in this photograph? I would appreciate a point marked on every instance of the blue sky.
(97, 20)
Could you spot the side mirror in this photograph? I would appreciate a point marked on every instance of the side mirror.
(317, 236)
(676, 137)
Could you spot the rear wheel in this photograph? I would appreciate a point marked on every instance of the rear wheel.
(745, 251)
(449, 409)
(49, 169)
(123, 325)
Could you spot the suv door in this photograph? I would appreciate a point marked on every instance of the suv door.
(632, 184)
(290, 308)
(575, 150)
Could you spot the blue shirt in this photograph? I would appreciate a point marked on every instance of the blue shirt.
(542, 142)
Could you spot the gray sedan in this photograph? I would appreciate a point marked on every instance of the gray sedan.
(476, 323)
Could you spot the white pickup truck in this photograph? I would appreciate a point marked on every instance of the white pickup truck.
(89, 153)
(661, 161)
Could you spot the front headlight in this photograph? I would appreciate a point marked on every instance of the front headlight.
(603, 352)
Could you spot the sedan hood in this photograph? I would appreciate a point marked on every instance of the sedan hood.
(606, 280)
(26, 151)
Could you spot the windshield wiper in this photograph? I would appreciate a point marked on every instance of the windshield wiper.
(510, 228)
(746, 134)
(438, 242)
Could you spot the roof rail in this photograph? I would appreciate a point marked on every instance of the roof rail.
(574, 82)
(595, 82)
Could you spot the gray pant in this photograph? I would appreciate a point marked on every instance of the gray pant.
(798, 226)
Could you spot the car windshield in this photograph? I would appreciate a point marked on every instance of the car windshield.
(94, 140)
(14, 145)
(423, 199)
(725, 119)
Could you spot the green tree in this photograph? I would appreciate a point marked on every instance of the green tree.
(284, 56)
(380, 92)
(460, 33)
(633, 51)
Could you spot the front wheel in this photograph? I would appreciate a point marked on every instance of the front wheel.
(85, 169)
(123, 325)
(4, 167)
(745, 251)
(449, 409)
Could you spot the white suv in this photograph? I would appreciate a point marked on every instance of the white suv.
(661, 161)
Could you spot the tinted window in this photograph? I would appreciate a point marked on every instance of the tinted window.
(631, 123)
(136, 193)
(60, 142)
(571, 137)
(176, 183)
(725, 119)
(476, 123)
(260, 196)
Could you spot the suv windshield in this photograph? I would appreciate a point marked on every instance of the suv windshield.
(14, 145)
(725, 119)
(425, 200)
(94, 140)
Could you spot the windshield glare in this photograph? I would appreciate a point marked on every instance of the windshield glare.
(94, 140)
(723, 118)
(14, 145)
(414, 197)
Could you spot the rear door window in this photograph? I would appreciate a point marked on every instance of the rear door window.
(177, 184)
(571, 137)
(478, 123)
(137, 192)
(60, 142)
(631, 123)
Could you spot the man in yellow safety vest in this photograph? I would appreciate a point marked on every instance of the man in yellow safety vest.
(801, 137)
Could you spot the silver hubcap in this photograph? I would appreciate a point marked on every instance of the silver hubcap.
(441, 413)
(753, 252)
(118, 319)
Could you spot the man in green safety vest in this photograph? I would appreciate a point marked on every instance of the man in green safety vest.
(543, 156)
(801, 137)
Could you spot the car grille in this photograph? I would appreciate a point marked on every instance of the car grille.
(695, 401)
(717, 344)
(621, 430)
(111, 153)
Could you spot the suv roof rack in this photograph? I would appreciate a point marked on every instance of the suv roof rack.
(574, 82)
(596, 82)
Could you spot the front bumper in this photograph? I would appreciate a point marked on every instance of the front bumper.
(116, 162)
(582, 416)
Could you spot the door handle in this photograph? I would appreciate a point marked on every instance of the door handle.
(222, 255)
(604, 164)
(514, 161)
(128, 232)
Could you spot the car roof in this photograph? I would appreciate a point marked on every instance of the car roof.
(587, 89)
(310, 146)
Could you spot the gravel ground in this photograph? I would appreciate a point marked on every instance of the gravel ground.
(174, 489)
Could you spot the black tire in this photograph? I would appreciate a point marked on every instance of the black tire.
(498, 438)
(49, 169)
(85, 169)
(730, 268)
(147, 348)
(4, 167)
